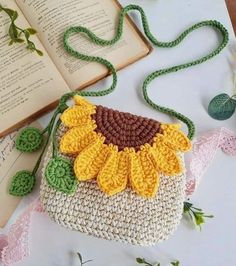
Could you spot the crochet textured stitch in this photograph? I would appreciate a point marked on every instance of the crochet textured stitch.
(120, 149)
(116, 149)
(116, 175)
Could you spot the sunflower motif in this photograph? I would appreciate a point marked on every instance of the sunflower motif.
(120, 149)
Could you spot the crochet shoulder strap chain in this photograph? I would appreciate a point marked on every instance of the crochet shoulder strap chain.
(30, 139)
(211, 23)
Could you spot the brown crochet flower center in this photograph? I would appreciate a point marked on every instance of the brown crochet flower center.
(124, 129)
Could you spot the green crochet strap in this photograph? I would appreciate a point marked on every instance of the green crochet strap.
(88, 58)
(212, 23)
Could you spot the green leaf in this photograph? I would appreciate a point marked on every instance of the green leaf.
(175, 263)
(139, 260)
(27, 34)
(59, 174)
(18, 40)
(13, 32)
(222, 107)
(9, 11)
(30, 139)
(80, 257)
(22, 183)
(85, 262)
(208, 216)
(40, 53)
(14, 16)
(199, 219)
(187, 206)
(196, 214)
(31, 31)
(30, 46)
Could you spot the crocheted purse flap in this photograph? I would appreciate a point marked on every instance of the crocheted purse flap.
(116, 149)
(124, 129)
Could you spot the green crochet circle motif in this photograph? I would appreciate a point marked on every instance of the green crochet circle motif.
(60, 175)
(30, 139)
(22, 183)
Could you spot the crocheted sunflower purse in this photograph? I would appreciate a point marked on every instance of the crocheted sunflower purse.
(107, 173)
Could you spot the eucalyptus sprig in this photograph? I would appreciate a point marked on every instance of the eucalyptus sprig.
(223, 105)
(81, 259)
(146, 263)
(196, 215)
(15, 32)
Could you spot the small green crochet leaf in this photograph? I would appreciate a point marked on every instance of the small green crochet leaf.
(60, 175)
(22, 183)
(30, 139)
(222, 107)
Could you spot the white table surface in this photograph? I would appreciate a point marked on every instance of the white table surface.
(189, 92)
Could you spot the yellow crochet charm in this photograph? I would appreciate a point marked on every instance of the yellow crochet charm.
(119, 149)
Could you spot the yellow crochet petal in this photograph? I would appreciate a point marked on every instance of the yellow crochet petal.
(76, 139)
(77, 116)
(112, 178)
(175, 138)
(90, 160)
(144, 178)
(164, 158)
(173, 126)
(81, 101)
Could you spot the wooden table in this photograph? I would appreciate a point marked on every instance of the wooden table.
(231, 4)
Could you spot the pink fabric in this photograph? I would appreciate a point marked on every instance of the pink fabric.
(229, 146)
(203, 153)
(3, 242)
(15, 247)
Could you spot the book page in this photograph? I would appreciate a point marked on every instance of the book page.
(28, 82)
(52, 17)
(12, 161)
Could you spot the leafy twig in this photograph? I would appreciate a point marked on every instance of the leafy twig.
(175, 263)
(143, 261)
(195, 214)
(81, 259)
(16, 32)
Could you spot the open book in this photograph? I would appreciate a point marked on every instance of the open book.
(31, 85)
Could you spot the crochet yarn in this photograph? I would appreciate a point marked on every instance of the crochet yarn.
(124, 217)
(123, 129)
(99, 41)
(59, 174)
(22, 183)
(30, 139)
(121, 144)
(131, 170)
(117, 150)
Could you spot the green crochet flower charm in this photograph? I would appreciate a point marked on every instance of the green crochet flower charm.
(22, 183)
(222, 107)
(30, 139)
(60, 175)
